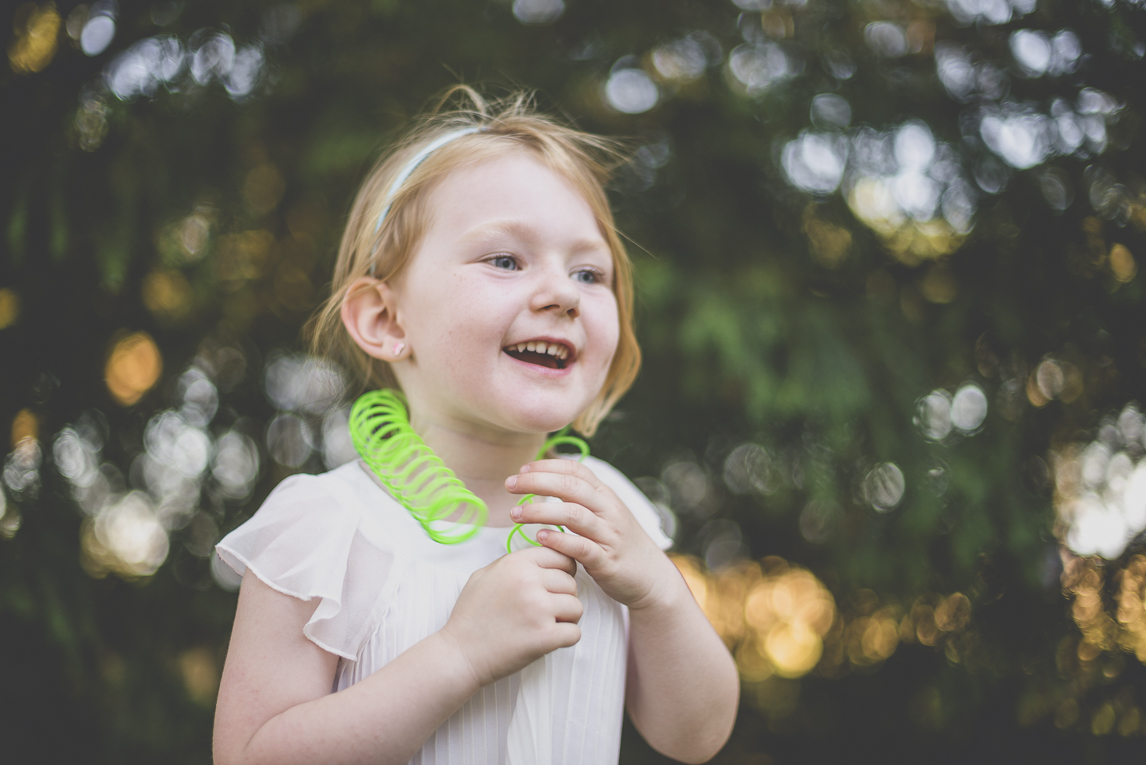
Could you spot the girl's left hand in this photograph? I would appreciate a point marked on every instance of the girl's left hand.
(607, 540)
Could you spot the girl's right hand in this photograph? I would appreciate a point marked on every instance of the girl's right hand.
(515, 610)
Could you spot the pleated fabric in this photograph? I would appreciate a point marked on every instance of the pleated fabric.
(383, 585)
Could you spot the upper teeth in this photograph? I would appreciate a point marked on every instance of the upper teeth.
(552, 349)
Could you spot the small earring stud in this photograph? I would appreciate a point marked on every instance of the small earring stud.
(398, 348)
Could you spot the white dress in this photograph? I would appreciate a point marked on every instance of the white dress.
(384, 585)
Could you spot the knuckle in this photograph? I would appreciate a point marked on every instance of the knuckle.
(575, 513)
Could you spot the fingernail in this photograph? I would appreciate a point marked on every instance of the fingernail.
(511, 482)
(525, 468)
(542, 535)
(516, 513)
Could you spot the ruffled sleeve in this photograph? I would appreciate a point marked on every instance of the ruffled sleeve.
(639, 505)
(305, 542)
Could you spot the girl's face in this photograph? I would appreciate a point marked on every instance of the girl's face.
(508, 304)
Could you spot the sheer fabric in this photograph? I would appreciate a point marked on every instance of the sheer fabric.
(383, 585)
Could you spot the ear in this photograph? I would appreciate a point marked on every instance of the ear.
(369, 312)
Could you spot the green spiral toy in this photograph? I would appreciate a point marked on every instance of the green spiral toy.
(417, 478)
(561, 439)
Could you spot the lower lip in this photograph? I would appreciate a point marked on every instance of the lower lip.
(538, 369)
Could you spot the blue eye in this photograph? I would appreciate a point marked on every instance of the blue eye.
(588, 276)
(506, 262)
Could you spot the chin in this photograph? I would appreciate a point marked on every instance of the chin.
(540, 419)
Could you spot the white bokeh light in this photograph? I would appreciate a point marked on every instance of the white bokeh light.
(1100, 497)
(538, 12)
(631, 91)
(755, 67)
(883, 487)
(289, 440)
(236, 465)
(969, 408)
(129, 530)
(815, 161)
(1032, 50)
(933, 415)
(303, 383)
(213, 59)
(97, 34)
(1022, 139)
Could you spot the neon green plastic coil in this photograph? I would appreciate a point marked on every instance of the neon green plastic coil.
(410, 471)
(418, 479)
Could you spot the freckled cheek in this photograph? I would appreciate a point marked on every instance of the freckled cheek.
(605, 329)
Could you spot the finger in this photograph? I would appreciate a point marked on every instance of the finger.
(564, 634)
(577, 518)
(559, 582)
(567, 608)
(563, 467)
(587, 552)
(549, 558)
(563, 486)
(571, 468)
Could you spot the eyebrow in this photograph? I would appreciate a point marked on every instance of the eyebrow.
(523, 231)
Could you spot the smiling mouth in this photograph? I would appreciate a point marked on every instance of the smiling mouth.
(550, 355)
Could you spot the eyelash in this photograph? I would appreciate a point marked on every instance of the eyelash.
(494, 260)
(597, 276)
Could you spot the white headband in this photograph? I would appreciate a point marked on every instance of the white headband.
(412, 165)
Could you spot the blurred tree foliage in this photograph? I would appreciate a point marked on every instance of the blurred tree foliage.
(887, 261)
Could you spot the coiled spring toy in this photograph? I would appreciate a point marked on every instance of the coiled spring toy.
(417, 478)
(410, 471)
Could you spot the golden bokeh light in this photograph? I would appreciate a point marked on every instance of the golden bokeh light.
(772, 615)
(200, 673)
(781, 623)
(244, 255)
(133, 367)
(24, 425)
(9, 307)
(910, 241)
(828, 243)
(10, 518)
(1054, 378)
(793, 648)
(37, 30)
(1122, 263)
(953, 612)
(167, 294)
(939, 285)
(920, 623)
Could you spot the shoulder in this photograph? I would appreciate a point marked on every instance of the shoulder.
(334, 489)
(642, 508)
(307, 540)
(302, 515)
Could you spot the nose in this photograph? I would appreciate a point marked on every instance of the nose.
(556, 291)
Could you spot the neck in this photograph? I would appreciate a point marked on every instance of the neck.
(482, 460)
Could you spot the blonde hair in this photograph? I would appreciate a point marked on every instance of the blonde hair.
(502, 126)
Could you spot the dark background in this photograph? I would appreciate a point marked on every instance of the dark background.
(888, 298)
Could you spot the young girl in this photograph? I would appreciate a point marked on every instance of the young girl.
(481, 275)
